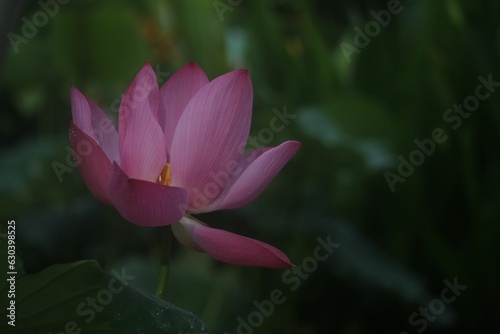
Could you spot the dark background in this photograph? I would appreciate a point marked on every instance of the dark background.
(354, 116)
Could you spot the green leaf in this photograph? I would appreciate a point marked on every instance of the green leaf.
(66, 298)
(135, 312)
(50, 300)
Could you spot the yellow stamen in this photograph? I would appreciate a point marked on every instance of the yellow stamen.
(165, 177)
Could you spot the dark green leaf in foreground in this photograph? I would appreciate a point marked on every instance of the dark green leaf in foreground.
(52, 300)
(79, 298)
(135, 312)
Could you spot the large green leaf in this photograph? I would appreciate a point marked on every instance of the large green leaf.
(136, 312)
(66, 298)
(49, 300)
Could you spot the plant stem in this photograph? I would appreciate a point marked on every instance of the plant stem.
(166, 237)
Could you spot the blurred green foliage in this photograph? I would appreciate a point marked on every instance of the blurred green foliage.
(354, 116)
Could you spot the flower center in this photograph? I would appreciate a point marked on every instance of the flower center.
(165, 177)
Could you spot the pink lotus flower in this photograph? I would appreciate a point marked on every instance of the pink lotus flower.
(179, 150)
